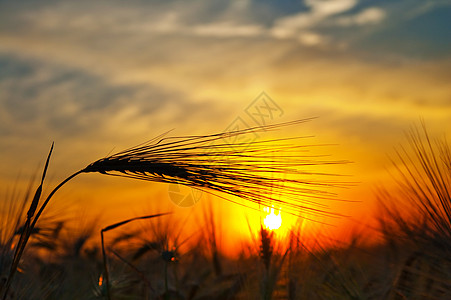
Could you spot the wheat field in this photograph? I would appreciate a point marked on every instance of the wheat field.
(48, 260)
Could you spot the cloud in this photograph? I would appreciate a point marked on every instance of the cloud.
(369, 16)
(311, 39)
(301, 25)
(169, 53)
(227, 29)
(425, 7)
(44, 99)
(167, 22)
(319, 11)
(322, 24)
(330, 7)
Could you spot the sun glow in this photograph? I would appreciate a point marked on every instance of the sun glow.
(272, 220)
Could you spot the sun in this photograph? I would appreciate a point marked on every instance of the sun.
(272, 220)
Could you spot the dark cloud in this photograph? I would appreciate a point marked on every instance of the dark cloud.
(71, 102)
(424, 35)
(405, 27)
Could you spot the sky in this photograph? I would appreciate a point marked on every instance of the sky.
(99, 76)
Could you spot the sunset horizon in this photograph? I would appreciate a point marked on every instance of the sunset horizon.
(247, 121)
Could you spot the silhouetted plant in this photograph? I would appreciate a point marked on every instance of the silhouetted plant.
(207, 162)
(418, 214)
(420, 209)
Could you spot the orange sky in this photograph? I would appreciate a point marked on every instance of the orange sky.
(100, 78)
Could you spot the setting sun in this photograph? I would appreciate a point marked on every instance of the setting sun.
(272, 221)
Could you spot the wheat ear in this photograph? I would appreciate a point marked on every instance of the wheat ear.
(208, 162)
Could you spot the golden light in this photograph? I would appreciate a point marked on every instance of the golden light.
(272, 220)
(100, 280)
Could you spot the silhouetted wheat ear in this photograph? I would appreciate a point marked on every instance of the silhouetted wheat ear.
(266, 247)
(423, 276)
(251, 171)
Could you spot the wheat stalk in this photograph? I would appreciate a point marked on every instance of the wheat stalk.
(210, 163)
(111, 227)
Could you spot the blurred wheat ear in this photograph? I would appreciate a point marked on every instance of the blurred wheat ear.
(27, 228)
(419, 216)
(111, 227)
(423, 175)
(243, 169)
